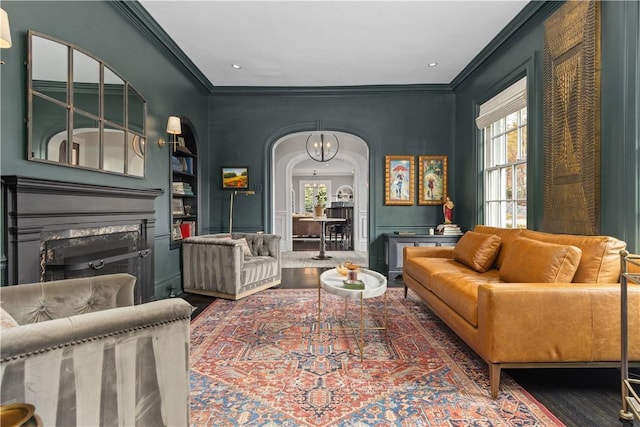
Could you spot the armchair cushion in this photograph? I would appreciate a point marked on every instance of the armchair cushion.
(245, 248)
(6, 321)
(36, 302)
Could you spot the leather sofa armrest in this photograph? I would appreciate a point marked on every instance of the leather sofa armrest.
(524, 322)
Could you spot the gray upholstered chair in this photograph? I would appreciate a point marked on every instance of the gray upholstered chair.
(84, 355)
(221, 265)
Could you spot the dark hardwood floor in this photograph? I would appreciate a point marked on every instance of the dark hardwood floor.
(578, 397)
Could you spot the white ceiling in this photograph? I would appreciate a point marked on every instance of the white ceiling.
(331, 43)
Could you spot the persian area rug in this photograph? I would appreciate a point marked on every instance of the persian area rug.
(299, 259)
(262, 361)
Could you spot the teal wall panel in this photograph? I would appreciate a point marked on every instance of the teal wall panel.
(103, 30)
(407, 121)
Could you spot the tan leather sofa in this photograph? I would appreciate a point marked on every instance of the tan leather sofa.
(526, 299)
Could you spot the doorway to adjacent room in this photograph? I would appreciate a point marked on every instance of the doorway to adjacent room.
(343, 183)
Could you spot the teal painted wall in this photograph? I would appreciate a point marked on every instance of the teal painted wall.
(102, 29)
(411, 121)
(620, 100)
(435, 122)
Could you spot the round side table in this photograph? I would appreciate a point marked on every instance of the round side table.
(375, 285)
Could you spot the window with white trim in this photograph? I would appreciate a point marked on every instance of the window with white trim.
(503, 120)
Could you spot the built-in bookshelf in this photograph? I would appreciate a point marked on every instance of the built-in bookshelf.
(184, 189)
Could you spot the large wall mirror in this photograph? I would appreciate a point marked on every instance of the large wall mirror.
(81, 112)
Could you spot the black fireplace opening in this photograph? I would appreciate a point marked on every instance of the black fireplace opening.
(93, 255)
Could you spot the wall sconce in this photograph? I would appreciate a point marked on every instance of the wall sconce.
(173, 128)
(233, 193)
(5, 31)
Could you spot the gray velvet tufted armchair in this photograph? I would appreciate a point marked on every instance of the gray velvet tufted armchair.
(84, 355)
(222, 265)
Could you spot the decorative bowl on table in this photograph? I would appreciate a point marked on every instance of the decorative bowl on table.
(342, 270)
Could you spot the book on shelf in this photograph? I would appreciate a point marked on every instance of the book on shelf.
(404, 233)
(184, 228)
(449, 229)
(176, 165)
(182, 164)
(188, 165)
(182, 188)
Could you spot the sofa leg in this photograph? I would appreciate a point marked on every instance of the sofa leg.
(494, 379)
(406, 289)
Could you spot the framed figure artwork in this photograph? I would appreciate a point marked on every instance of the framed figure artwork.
(235, 178)
(432, 180)
(399, 181)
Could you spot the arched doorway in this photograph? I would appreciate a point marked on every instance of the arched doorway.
(291, 166)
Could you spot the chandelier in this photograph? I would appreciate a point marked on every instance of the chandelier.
(322, 148)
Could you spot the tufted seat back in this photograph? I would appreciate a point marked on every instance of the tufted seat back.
(37, 302)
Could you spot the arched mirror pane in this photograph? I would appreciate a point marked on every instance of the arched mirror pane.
(86, 133)
(113, 97)
(49, 65)
(52, 120)
(135, 155)
(136, 110)
(114, 143)
(86, 83)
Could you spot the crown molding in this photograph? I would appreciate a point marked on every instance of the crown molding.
(329, 90)
(532, 14)
(149, 27)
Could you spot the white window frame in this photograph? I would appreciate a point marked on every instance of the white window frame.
(505, 206)
(310, 184)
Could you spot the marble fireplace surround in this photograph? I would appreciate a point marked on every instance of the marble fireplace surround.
(39, 212)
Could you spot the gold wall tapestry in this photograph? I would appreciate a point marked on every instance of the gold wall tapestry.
(572, 119)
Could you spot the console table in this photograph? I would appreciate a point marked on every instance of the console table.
(394, 244)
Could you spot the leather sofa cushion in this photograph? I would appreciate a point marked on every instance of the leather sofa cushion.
(531, 261)
(477, 250)
(506, 236)
(424, 267)
(460, 291)
(600, 262)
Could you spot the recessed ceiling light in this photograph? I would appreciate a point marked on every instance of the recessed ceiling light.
(432, 64)
(236, 66)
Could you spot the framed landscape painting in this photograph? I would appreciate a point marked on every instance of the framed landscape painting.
(432, 180)
(399, 181)
(235, 178)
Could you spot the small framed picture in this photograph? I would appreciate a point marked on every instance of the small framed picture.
(399, 181)
(236, 178)
(432, 180)
(177, 206)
